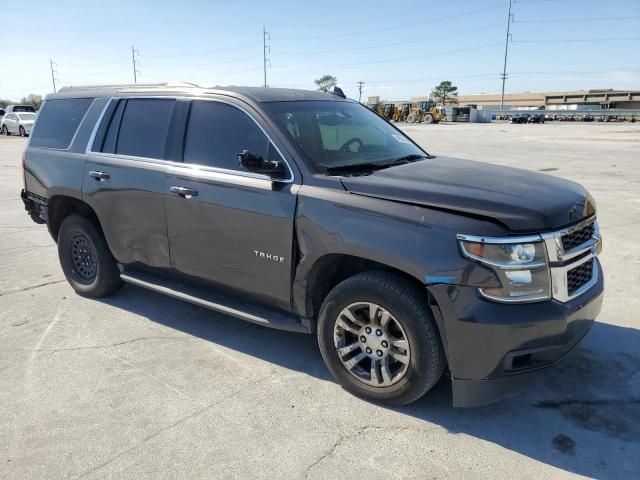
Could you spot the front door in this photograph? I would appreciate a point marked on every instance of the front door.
(227, 227)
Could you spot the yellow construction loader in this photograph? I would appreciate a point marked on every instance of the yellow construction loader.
(402, 112)
(426, 112)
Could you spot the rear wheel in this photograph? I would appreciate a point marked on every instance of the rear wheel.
(411, 118)
(85, 258)
(379, 340)
(428, 118)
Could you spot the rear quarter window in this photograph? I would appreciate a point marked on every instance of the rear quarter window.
(58, 122)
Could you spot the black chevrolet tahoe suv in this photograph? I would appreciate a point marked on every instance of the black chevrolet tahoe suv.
(306, 211)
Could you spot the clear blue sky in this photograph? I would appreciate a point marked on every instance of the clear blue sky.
(399, 48)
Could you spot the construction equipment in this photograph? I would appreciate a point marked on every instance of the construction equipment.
(426, 112)
(386, 110)
(402, 112)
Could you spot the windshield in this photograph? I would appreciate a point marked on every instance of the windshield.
(341, 134)
(27, 116)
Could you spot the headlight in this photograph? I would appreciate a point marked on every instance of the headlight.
(522, 267)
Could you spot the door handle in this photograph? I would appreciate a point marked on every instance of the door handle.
(184, 192)
(100, 176)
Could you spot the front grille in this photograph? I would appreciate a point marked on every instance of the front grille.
(572, 240)
(577, 277)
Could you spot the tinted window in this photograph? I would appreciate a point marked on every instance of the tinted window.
(58, 122)
(23, 108)
(217, 132)
(144, 127)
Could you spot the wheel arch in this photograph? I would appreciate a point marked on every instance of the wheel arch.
(329, 270)
(60, 207)
(332, 268)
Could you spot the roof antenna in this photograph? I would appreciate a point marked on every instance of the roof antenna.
(338, 91)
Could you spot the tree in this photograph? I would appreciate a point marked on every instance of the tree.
(446, 92)
(326, 82)
(32, 99)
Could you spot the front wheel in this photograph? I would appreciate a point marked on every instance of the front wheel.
(86, 260)
(5, 130)
(22, 132)
(379, 340)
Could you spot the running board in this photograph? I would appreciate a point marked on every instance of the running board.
(264, 316)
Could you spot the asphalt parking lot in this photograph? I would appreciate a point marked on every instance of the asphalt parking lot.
(143, 386)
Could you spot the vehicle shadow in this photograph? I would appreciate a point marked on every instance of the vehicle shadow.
(581, 416)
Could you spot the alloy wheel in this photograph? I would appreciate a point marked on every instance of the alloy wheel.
(371, 344)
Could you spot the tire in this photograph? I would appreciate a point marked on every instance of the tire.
(22, 132)
(428, 118)
(5, 130)
(407, 315)
(411, 118)
(85, 258)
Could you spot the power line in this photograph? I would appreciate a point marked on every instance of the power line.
(394, 44)
(207, 52)
(233, 60)
(406, 25)
(570, 20)
(572, 40)
(392, 60)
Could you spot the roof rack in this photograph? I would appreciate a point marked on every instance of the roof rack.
(131, 86)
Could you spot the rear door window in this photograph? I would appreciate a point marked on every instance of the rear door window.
(144, 127)
(217, 132)
(58, 122)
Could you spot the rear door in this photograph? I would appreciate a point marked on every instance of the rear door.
(228, 227)
(125, 179)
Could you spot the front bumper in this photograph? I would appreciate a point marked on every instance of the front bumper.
(493, 349)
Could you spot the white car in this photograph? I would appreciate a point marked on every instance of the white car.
(17, 123)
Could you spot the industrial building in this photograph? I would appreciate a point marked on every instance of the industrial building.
(571, 100)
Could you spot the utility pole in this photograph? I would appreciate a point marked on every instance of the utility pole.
(53, 73)
(135, 54)
(265, 47)
(360, 85)
(506, 51)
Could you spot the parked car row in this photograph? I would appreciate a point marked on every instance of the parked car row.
(548, 117)
(526, 118)
(17, 120)
(17, 124)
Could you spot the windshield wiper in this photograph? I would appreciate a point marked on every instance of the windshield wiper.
(366, 168)
(355, 168)
(412, 157)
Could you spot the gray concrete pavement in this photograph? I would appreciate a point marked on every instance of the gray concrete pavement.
(143, 386)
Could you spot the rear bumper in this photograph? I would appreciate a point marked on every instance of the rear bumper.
(35, 205)
(495, 349)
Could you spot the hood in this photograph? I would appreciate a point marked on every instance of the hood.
(522, 200)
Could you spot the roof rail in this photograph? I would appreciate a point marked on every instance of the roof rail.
(132, 86)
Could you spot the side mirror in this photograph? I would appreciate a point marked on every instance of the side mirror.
(257, 164)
